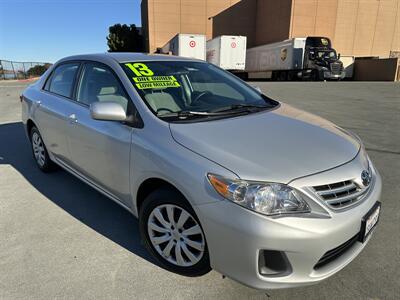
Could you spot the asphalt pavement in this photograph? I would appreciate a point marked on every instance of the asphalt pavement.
(59, 238)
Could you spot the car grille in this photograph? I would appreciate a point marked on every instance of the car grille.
(336, 68)
(336, 252)
(341, 194)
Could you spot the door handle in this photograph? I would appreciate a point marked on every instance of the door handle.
(72, 118)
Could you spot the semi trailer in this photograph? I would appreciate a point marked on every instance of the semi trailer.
(297, 58)
(227, 52)
(186, 45)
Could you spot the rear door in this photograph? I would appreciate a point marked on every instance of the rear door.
(55, 107)
(192, 46)
(234, 52)
(100, 150)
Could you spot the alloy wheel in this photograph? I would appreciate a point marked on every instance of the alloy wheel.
(176, 235)
(38, 149)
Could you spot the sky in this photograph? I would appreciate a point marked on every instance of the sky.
(47, 30)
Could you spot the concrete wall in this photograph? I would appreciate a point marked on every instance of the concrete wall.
(166, 18)
(263, 22)
(376, 69)
(313, 18)
(239, 19)
(272, 21)
(145, 24)
(356, 27)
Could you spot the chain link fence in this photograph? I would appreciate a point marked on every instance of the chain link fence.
(21, 70)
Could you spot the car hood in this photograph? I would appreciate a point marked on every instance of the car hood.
(276, 146)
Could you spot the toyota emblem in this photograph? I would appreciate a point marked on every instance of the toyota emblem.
(366, 177)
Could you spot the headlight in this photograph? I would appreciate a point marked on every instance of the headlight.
(266, 198)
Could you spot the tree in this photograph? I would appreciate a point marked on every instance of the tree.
(37, 70)
(124, 38)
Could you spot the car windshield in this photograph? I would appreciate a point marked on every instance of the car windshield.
(193, 90)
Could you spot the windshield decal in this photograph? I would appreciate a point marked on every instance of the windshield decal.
(324, 42)
(154, 79)
(157, 85)
(140, 69)
(145, 80)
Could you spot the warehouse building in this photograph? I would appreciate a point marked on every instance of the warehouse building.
(356, 27)
(163, 19)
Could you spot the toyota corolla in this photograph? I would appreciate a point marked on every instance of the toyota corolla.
(219, 175)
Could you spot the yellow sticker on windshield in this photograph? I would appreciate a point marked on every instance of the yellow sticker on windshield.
(157, 85)
(145, 80)
(140, 69)
(154, 79)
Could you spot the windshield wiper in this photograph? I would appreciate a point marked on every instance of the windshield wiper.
(234, 107)
(184, 114)
(228, 110)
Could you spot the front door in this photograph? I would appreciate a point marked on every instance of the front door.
(100, 150)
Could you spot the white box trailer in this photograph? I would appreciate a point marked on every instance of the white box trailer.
(186, 45)
(308, 57)
(227, 52)
(286, 55)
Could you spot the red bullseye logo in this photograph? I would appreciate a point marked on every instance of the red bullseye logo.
(233, 45)
(192, 44)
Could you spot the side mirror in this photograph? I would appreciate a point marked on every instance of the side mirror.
(107, 111)
(338, 56)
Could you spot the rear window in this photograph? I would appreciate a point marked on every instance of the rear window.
(62, 79)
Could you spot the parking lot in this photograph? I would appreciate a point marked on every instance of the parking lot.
(59, 238)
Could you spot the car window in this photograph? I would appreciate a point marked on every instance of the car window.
(62, 80)
(98, 84)
(202, 82)
(178, 86)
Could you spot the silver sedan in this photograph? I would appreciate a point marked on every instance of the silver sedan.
(219, 175)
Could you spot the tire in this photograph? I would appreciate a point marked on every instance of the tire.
(315, 75)
(274, 76)
(39, 151)
(283, 76)
(184, 254)
(291, 76)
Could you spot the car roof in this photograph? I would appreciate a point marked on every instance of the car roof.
(122, 57)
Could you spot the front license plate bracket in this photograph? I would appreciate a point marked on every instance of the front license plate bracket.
(369, 222)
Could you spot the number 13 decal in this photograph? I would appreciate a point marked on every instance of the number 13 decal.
(140, 69)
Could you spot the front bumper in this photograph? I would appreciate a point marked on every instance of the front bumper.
(236, 236)
(329, 75)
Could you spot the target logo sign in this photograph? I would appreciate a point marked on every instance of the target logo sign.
(233, 45)
(192, 44)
